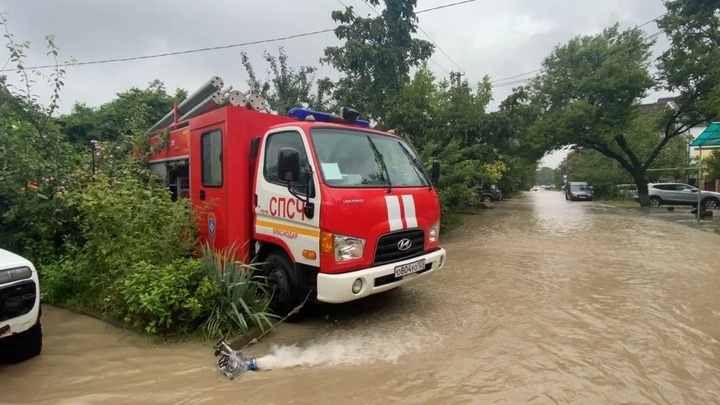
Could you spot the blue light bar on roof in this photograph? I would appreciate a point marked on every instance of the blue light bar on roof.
(301, 113)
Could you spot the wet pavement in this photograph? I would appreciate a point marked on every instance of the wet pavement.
(678, 214)
(542, 301)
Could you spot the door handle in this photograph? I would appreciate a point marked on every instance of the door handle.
(202, 195)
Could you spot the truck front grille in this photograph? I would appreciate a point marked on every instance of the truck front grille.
(389, 247)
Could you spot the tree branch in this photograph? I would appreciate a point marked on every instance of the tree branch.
(670, 135)
(605, 150)
(622, 143)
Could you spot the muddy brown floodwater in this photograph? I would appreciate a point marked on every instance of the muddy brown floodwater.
(542, 301)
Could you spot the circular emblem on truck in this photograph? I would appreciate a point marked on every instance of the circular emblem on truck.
(212, 225)
(404, 244)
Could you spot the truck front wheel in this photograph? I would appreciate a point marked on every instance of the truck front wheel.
(280, 272)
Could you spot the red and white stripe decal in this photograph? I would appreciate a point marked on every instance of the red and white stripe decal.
(401, 216)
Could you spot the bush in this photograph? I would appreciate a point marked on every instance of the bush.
(131, 259)
(121, 221)
(166, 299)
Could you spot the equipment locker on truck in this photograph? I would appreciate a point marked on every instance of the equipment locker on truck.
(326, 203)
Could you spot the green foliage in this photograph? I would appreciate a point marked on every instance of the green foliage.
(165, 299)
(545, 175)
(712, 165)
(114, 216)
(377, 55)
(117, 225)
(244, 294)
(450, 123)
(285, 88)
(35, 161)
(691, 65)
(590, 94)
(589, 90)
(112, 121)
(603, 173)
(100, 226)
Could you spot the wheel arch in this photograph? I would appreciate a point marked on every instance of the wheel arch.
(305, 276)
(711, 198)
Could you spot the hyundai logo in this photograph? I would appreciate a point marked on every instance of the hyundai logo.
(404, 244)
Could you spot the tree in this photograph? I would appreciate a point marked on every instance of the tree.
(377, 55)
(35, 159)
(287, 88)
(691, 65)
(589, 95)
(545, 175)
(110, 120)
(506, 129)
(712, 165)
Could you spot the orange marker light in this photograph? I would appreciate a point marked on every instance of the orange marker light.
(309, 254)
(326, 242)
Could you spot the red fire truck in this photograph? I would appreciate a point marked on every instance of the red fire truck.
(325, 203)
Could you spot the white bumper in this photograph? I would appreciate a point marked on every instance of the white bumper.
(337, 288)
(26, 321)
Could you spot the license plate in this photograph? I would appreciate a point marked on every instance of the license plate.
(410, 268)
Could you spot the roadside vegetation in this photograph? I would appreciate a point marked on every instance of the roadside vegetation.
(591, 93)
(77, 198)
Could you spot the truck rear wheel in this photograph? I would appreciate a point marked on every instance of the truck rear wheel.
(22, 346)
(280, 272)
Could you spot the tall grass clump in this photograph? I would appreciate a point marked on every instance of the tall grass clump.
(243, 294)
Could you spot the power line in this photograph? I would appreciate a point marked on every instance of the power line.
(426, 34)
(496, 83)
(445, 6)
(212, 48)
(520, 75)
(185, 52)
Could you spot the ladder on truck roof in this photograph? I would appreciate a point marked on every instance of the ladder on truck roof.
(210, 96)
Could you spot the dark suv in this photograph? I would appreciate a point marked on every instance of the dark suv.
(490, 194)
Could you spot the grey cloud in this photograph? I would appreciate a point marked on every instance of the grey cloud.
(500, 39)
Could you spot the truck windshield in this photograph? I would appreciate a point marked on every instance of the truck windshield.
(350, 158)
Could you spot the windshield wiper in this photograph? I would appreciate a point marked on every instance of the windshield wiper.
(381, 162)
(416, 165)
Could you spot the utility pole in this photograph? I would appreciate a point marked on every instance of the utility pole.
(455, 77)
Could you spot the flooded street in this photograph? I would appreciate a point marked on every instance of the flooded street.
(541, 301)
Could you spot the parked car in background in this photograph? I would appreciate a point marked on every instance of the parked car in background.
(680, 194)
(578, 191)
(490, 194)
(20, 330)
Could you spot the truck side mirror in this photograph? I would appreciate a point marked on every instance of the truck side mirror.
(435, 175)
(288, 164)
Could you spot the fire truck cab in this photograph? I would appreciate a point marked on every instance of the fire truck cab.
(322, 202)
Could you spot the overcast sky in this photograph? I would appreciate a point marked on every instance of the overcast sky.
(499, 38)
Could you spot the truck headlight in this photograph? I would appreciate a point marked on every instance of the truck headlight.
(10, 275)
(434, 232)
(348, 248)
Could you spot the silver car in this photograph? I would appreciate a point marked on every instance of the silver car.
(681, 194)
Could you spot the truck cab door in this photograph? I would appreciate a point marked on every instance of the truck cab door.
(207, 182)
(280, 216)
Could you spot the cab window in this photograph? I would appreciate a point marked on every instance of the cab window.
(211, 152)
(288, 139)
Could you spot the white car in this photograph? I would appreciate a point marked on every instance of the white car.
(20, 330)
